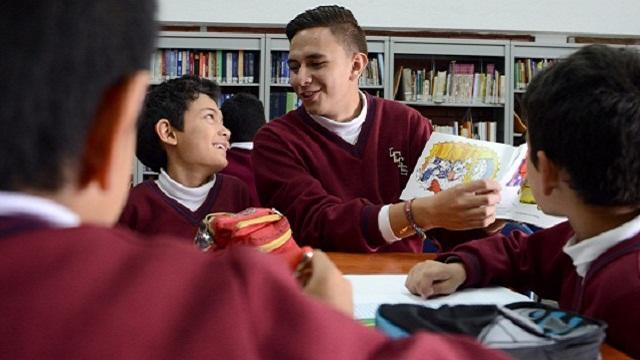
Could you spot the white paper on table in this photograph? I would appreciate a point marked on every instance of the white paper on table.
(370, 291)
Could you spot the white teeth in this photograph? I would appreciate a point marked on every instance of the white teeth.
(220, 146)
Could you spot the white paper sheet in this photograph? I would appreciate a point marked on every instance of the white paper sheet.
(369, 291)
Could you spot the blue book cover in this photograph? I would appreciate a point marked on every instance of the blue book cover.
(285, 68)
(234, 67)
(179, 63)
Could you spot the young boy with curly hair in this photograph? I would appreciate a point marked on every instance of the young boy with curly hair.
(181, 135)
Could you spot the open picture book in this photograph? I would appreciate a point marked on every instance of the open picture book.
(449, 160)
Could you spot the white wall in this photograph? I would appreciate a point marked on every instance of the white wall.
(598, 17)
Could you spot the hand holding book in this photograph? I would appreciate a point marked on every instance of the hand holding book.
(452, 163)
(465, 206)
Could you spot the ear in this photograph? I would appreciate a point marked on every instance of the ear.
(116, 116)
(165, 132)
(358, 65)
(549, 173)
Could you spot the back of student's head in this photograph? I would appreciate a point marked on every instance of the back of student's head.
(339, 20)
(584, 113)
(243, 115)
(169, 100)
(58, 60)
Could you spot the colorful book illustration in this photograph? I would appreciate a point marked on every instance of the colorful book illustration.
(449, 160)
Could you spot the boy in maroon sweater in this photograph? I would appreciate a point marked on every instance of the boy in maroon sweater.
(181, 135)
(337, 165)
(243, 116)
(72, 287)
(583, 118)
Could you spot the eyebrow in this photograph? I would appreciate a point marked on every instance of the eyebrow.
(313, 56)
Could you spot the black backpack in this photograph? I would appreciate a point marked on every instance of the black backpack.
(525, 330)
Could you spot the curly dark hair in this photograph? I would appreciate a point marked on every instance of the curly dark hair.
(339, 20)
(59, 59)
(169, 100)
(584, 113)
(243, 115)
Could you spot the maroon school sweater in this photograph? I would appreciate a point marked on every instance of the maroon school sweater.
(150, 211)
(240, 167)
(98, 293)
(610, 290)
(331, 191)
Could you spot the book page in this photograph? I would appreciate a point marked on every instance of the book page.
(517, 202)
(370, 291)
(449, 160)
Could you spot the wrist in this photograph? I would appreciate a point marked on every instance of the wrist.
(411, 219)
(460, 274)
(423, 214)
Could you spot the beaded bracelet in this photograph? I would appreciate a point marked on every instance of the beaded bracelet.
(408, 212)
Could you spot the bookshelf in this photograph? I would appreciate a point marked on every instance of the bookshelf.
(233, 60)
(527, 60)
(454, 81)
(279, 97)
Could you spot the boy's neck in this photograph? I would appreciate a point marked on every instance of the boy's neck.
(355, 102)
(589, 221)
(193, 176)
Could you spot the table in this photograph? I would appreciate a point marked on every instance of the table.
(401, 263)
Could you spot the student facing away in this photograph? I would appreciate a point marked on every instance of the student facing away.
(336, 165)
(73, 286)
(583, 116)
(181, 135)
(243, 116)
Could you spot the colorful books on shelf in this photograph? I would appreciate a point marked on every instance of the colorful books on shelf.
(459, 84)
(449, 160)
(281, 103)
(223, 66)
(526, 69)
(280, 67)
(373, 74)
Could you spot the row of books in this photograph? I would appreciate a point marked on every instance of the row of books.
(459, 84)
(280, 67)
(281, 103)
(223, 66)
(373, 73)
(526, 69)
(371, 76)
(482, 130)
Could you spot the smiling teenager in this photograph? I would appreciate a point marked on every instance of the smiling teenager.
(182, 136)
(336, 166)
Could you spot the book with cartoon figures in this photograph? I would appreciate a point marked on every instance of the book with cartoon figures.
(449, 160)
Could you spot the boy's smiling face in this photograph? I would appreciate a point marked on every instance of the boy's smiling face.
(322, 73)
(204, 140)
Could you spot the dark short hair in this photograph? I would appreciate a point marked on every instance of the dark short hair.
(58, 60)
(584, 113)
(243, 115)
(169, 100)
(339, 20)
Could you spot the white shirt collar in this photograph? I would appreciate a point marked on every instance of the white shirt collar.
(248, 145)
(348, 131)
(190, 197)
(15, 203)
(588, 250)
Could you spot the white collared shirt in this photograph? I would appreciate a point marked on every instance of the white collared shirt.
(349, 130)
(58, 215)
(247, 145)
(189, 197)
(588, 250)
